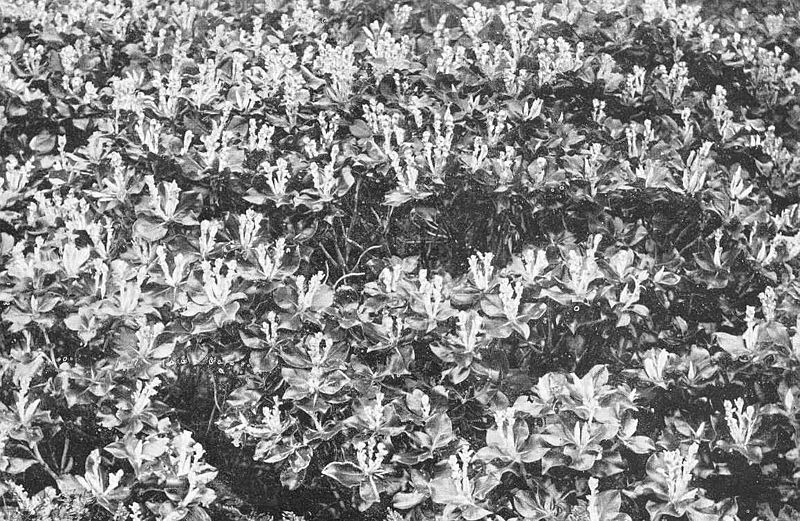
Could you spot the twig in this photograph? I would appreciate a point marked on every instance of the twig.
(527, 477)
(361, 257)
(216, 404)
(64, 455)
(692, 243)
(355, 213)
(328, 255)
(42, 462)
(348, 275)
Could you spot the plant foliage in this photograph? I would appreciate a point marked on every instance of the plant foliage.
(404, 261)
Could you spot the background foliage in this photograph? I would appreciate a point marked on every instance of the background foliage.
(376, 260)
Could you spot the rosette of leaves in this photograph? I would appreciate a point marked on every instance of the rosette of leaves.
(164, 205)
(462, 491)
(579, 274)
(436, 435)
(715, 265)
(463, 349)
(327, 185)
(507, 313)
(106, 488)
(370, 474)
(313, 373)
(19, 505)
(271, 265)
(264, 343)
(142, 352)
(431, 302)
(214, 302)
(600, 506)
(374, 418)
(586, 421)
(25, 423)
(390, 338)
(305, 302)
(542, 504)
(479, 281)
(511, 442)
(743, 425)
(668, 485)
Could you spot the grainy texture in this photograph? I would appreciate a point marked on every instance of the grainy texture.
(412, 261)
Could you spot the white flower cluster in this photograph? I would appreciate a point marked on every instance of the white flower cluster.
(459, 470)
(635, 148)
(769, 303)
(407, 175)
(598, 111)
(556, 57)
(634, 83)
(481, 275)
(696, 171)
(387, 52)
(510, 297)
(470, 328)
(217, 287)
(271, 424)
(307, 293)
(370, 455)
(494, 61)
(742, 423)
(14, 181)
(784, 161)
(677, 473)
(373, 414)
(164, 206)
(475, 18)
(582, 270)
(519, 26)
(684, 18)
(675, 81)
(270, 264)
(304, 19)
(437, 146)
(722, 115)
(338, 63)
(269, 328)
(431, 290)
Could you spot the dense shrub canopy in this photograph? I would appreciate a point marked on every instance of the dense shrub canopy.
(402, 261)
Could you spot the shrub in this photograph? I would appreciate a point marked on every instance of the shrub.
(426, 260)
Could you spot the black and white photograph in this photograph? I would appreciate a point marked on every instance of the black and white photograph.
(399, 260)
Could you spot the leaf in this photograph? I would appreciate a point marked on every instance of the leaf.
(197, 513)
(255, 197)
(397, 198)
(334, 382)
(50, 36)
(444, 491)
(345, 473)
(368, 494)
(440, 429)
(528, 507)
(640, 444)
(68, 484)
(15, 465)
(405, 501)
(323, 298)
(42, 143)
(474, 512)
(360, 129)
(148, 230)
(732, 344)
(666, 278)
